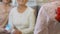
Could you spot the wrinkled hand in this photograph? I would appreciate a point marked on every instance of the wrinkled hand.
(1, 29)
(4, 32)
(17, 32)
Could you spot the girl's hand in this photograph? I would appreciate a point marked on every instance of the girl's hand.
(17, 32)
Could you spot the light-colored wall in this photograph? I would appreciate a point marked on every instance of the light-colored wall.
(40, 2)
(30, 2)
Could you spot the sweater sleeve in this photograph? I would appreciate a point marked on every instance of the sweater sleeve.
(41, 23)
(9, 26)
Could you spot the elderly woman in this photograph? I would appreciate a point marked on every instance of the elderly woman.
(22, 18)
(48, 21)
(4, 11)
(5, 7)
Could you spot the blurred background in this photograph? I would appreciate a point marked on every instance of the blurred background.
(35, 4)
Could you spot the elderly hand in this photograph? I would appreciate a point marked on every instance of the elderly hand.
(4, 32)
(1, 29)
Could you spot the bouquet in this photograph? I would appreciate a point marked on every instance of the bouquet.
(58, 14)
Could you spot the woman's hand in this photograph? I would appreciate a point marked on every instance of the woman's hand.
(17, 32)
(5, 32)
(1, 29)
